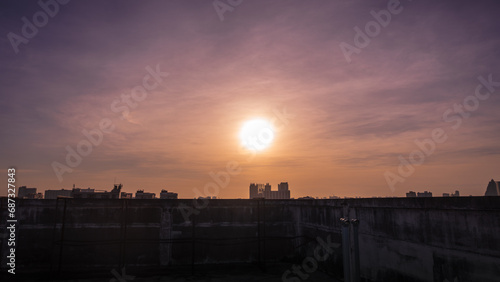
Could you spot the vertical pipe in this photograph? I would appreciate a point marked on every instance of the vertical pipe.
(123, 234)
(346, 249)
(193, 246)
(264, 235)
(120, 254)
(258, 233)
(355, 223)
(54, 238)
(61, 240)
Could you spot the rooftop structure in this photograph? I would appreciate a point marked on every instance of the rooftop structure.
(411, 194)
(164, 194)
(28, 193)
(54, 194)
(140, 194)
(424, 194)
(89, 193)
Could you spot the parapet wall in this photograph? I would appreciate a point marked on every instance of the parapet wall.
(401, 239)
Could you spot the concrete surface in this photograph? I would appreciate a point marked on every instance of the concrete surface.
(401, 239)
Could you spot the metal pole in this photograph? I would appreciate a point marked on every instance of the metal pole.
(264, 235)
(355, 223)
(61, 240)
(346, 249)
(123, 233)
(193, 245)
(258, 235)
(54, 238)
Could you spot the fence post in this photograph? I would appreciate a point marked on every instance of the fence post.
(346, 249)
(355, 223)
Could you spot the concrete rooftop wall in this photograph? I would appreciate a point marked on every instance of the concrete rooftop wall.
(401, 239)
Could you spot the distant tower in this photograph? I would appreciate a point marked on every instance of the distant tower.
(253, 191)
(283, 192)
(493, 188)
(412, 194)
(267, 191)
(283, 186)
(115, 193)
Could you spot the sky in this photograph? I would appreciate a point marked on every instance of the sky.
(351, 88)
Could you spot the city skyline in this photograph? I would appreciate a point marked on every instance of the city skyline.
(156, 94)
(256, 191)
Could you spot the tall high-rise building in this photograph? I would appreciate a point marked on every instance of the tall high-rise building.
(265, 191)
(267, 188)
(283, 186)
(493, 188)
(254, 191)
(283, 192)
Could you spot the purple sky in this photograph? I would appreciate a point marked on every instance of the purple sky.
(349, 121)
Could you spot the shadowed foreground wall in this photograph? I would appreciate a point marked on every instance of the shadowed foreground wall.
(401, 239)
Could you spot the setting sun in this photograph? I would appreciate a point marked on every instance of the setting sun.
(256, 134)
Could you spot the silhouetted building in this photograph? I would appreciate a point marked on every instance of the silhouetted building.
(424, 194)
(79, 193)
(256, 191)
(115, 193)
(23, 191)
(456, 194)
(28, 193)
(164, 194)
(411, 194)
(493, 188)
(53, 194)
(264, 191)
(283, 192)
(125, 195)
(140, 194)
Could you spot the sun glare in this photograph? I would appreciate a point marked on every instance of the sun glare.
(256, 134)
